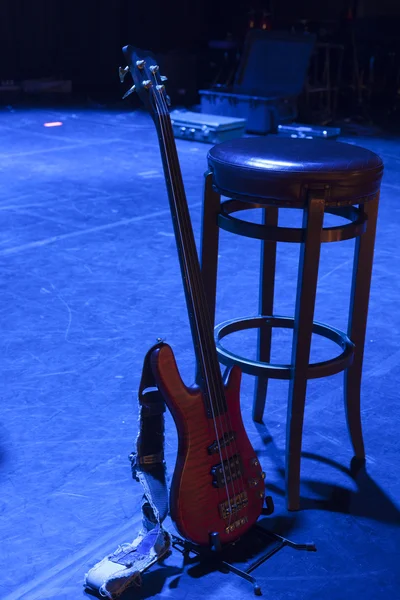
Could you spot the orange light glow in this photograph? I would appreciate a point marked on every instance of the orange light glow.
(53, 124)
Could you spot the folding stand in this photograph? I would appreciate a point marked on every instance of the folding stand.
(217, 553)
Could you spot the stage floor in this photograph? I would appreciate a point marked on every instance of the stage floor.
(89, 280)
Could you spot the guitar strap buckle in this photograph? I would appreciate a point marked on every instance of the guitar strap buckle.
(151, 459)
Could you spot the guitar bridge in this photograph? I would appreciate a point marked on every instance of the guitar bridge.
(236, 504)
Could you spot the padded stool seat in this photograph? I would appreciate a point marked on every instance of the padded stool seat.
(270, 168)
(270, 174)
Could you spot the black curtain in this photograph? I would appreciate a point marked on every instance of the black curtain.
(82, 39)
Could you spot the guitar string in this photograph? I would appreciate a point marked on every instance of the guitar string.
(211, 382)
(189, 283)
(225, 415)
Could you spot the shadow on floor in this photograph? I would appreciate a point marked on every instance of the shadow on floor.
(250, 548)
(369, 500)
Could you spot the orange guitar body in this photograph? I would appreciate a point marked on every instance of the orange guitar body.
(217, 490)
(195, 503)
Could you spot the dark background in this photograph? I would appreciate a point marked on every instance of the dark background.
(81, 40)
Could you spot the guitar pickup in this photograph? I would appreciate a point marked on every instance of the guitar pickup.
(224, 441)
(226, 472)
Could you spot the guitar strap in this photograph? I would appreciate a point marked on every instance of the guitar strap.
(118, 571)
(148, 465)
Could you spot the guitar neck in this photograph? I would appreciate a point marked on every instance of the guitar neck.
(200, 321)
(148, 84)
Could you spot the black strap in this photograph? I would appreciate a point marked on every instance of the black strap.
(148, 465)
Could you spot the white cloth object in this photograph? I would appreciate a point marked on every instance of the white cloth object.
(123, 568)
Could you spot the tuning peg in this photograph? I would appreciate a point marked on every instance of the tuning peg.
(129, 92)
(168, 100)
(140, 64)
(147, 84)
(163, 78)
(122, 73)
(154, 69)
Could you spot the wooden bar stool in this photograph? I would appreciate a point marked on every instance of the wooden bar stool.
(317, 176)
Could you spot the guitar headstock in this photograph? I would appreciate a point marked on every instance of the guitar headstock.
(147, 81)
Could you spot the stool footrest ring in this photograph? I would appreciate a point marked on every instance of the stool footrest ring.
(281, 371)
(227, 221)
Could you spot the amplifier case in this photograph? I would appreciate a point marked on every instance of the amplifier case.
(201, 127)
(270, 77)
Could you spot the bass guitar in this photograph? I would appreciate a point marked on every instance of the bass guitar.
(218, 489)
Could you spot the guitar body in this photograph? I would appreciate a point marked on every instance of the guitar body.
(218, 487)
(194, 501)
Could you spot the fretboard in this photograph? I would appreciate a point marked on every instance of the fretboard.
(199, 318)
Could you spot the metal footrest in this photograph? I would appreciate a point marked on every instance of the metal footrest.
(281, 371)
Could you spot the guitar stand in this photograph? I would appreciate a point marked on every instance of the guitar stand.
(216, 551)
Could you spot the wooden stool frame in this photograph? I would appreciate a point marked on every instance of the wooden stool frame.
(362, 226)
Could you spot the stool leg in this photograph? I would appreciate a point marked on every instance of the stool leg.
(266, 307)
(362, 271)
(209, 246)
(313, 218)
